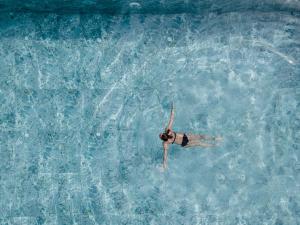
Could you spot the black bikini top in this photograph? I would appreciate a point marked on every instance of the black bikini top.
(174, 138)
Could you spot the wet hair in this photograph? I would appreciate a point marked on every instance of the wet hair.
(165, 136)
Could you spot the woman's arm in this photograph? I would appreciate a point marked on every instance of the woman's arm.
(171, 118)
(165, 145)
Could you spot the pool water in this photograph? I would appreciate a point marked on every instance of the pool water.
(84, 97)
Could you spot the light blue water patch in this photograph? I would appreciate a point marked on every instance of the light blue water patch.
(84, 97)
(147, 6)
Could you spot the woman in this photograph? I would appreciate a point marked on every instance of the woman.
(185, 140)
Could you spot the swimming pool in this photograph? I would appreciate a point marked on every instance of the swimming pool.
(85, 95)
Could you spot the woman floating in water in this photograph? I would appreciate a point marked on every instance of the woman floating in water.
(185, 140)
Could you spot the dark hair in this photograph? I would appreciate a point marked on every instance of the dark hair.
(165, 136)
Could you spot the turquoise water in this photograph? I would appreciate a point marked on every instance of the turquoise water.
(84, 97)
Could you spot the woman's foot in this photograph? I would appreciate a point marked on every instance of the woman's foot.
(218, 138)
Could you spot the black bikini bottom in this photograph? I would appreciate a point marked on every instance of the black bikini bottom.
(185, 140)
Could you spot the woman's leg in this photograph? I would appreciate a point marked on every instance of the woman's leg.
(200, 140)
(204, 137)
(195, 143)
